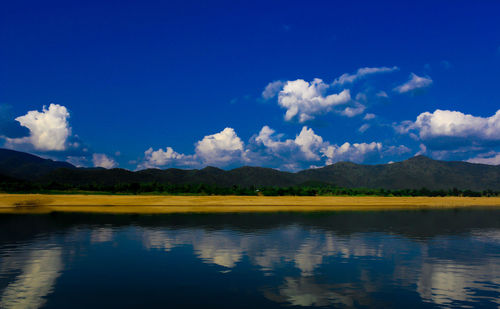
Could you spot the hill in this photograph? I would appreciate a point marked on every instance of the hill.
(26, 166)
(414, 173)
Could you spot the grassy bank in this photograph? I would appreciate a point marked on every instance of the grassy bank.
(41, 203)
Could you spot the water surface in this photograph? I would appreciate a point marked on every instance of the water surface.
(445, 258)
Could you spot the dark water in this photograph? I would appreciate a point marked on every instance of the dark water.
(393, 259)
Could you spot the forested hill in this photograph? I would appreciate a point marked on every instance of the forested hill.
(26, 166)
(414, 173)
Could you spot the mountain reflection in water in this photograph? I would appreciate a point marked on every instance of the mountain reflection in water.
(342, 259)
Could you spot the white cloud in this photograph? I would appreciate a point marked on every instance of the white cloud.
(445, 123)
(268, 148)
(364, 127)
(305, 146)
(491, 158)
(49, 129)
(309, 143)
(305, 100)
(272, 89)
(369, 116)
(220, 148)
(268, 138)
(308, 147)
(415, 82)
(382, 94)
(356, 152)
(102, 160)
(352, 111)
(404, 127)
(362, 72)
(160, 157)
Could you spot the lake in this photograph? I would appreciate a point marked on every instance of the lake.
(385, 259)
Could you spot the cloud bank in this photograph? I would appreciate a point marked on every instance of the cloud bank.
(268, 148)
(491, 158)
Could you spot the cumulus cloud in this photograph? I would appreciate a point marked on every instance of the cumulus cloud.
(309, 148)
(268, 148)
(362, 72)
(356, 152)
(305, 146)
(304, 100)
(160, 157)
(267, 137)
(445, 134)
(453, 124)
(415, 82)
(102, 160)
(49, 129)
(220, 148)
(272, 89)
(271, 140)
(309, 143)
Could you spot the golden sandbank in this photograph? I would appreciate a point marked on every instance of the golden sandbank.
(149, 204)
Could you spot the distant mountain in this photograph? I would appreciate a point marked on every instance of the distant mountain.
(25, 166)
(413, 173)
(243, 176)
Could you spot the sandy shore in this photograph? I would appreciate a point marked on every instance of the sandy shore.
(38, 203)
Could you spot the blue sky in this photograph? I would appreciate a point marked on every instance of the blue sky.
(181, 83)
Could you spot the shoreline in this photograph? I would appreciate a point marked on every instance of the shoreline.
(149, 204)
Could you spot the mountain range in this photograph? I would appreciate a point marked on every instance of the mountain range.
(414, 173)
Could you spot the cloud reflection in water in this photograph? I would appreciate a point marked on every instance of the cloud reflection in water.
(319, 254)
(38, 275)
(306, 261)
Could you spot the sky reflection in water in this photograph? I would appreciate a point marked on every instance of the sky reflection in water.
(379, 259)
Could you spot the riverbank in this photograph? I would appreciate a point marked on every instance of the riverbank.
(145, 204)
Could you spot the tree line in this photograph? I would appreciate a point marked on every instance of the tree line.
(205, 189)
